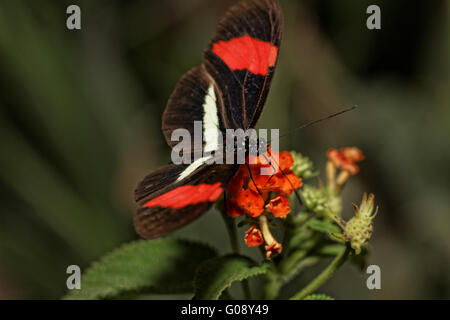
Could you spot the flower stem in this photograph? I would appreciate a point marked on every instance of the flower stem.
(342, 180)
(272, 286)
(232, 233)
(264, 225)
(331, 175)
(338, 261)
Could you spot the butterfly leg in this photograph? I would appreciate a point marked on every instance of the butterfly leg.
(251, 177)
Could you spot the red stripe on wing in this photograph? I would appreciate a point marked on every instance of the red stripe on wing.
(247, 53)
(187, 195)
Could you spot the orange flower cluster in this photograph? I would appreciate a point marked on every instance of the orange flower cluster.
(345, 158)
(244, 194)
(255, 193)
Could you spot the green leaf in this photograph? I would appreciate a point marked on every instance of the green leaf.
(146, 266)
(318, 297)
(330, 250)
(299, 266)
(216, 275)
(325, 226)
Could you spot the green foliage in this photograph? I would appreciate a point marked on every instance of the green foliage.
(330, 250)
(325, 225)
(216, 275)
(60, 172)
(153, 266)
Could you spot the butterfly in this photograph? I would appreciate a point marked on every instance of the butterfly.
(227, 91)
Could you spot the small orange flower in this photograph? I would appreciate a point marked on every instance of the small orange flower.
(350, 167)
(352, 154)
(289, 182)
(253, 237)
(274, 248)
(286, 160)
(346, 158)
(264, 183)
(233, 210)
(251, 202)
(261, 160)
(279, 206)
(335, 157)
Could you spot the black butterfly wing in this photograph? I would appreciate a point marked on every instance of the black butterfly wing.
(194, 99)
(242, 56)
(166, 204)
(175, 195)
(236, 74)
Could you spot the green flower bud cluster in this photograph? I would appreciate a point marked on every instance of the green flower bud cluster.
(358, 229)
(303, 167)
(314, 199)
(321, 201)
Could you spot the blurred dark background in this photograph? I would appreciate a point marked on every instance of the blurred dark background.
(80, 126)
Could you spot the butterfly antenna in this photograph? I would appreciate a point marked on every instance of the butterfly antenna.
(311, 123)
(251, 177)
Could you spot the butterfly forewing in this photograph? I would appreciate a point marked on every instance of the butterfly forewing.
(194, 99)
(241, 58)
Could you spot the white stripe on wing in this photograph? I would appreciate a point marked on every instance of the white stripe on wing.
(210, 132)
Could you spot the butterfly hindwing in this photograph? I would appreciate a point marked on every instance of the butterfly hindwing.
(166, 203)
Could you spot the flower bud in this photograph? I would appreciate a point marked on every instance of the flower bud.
(359, 229)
